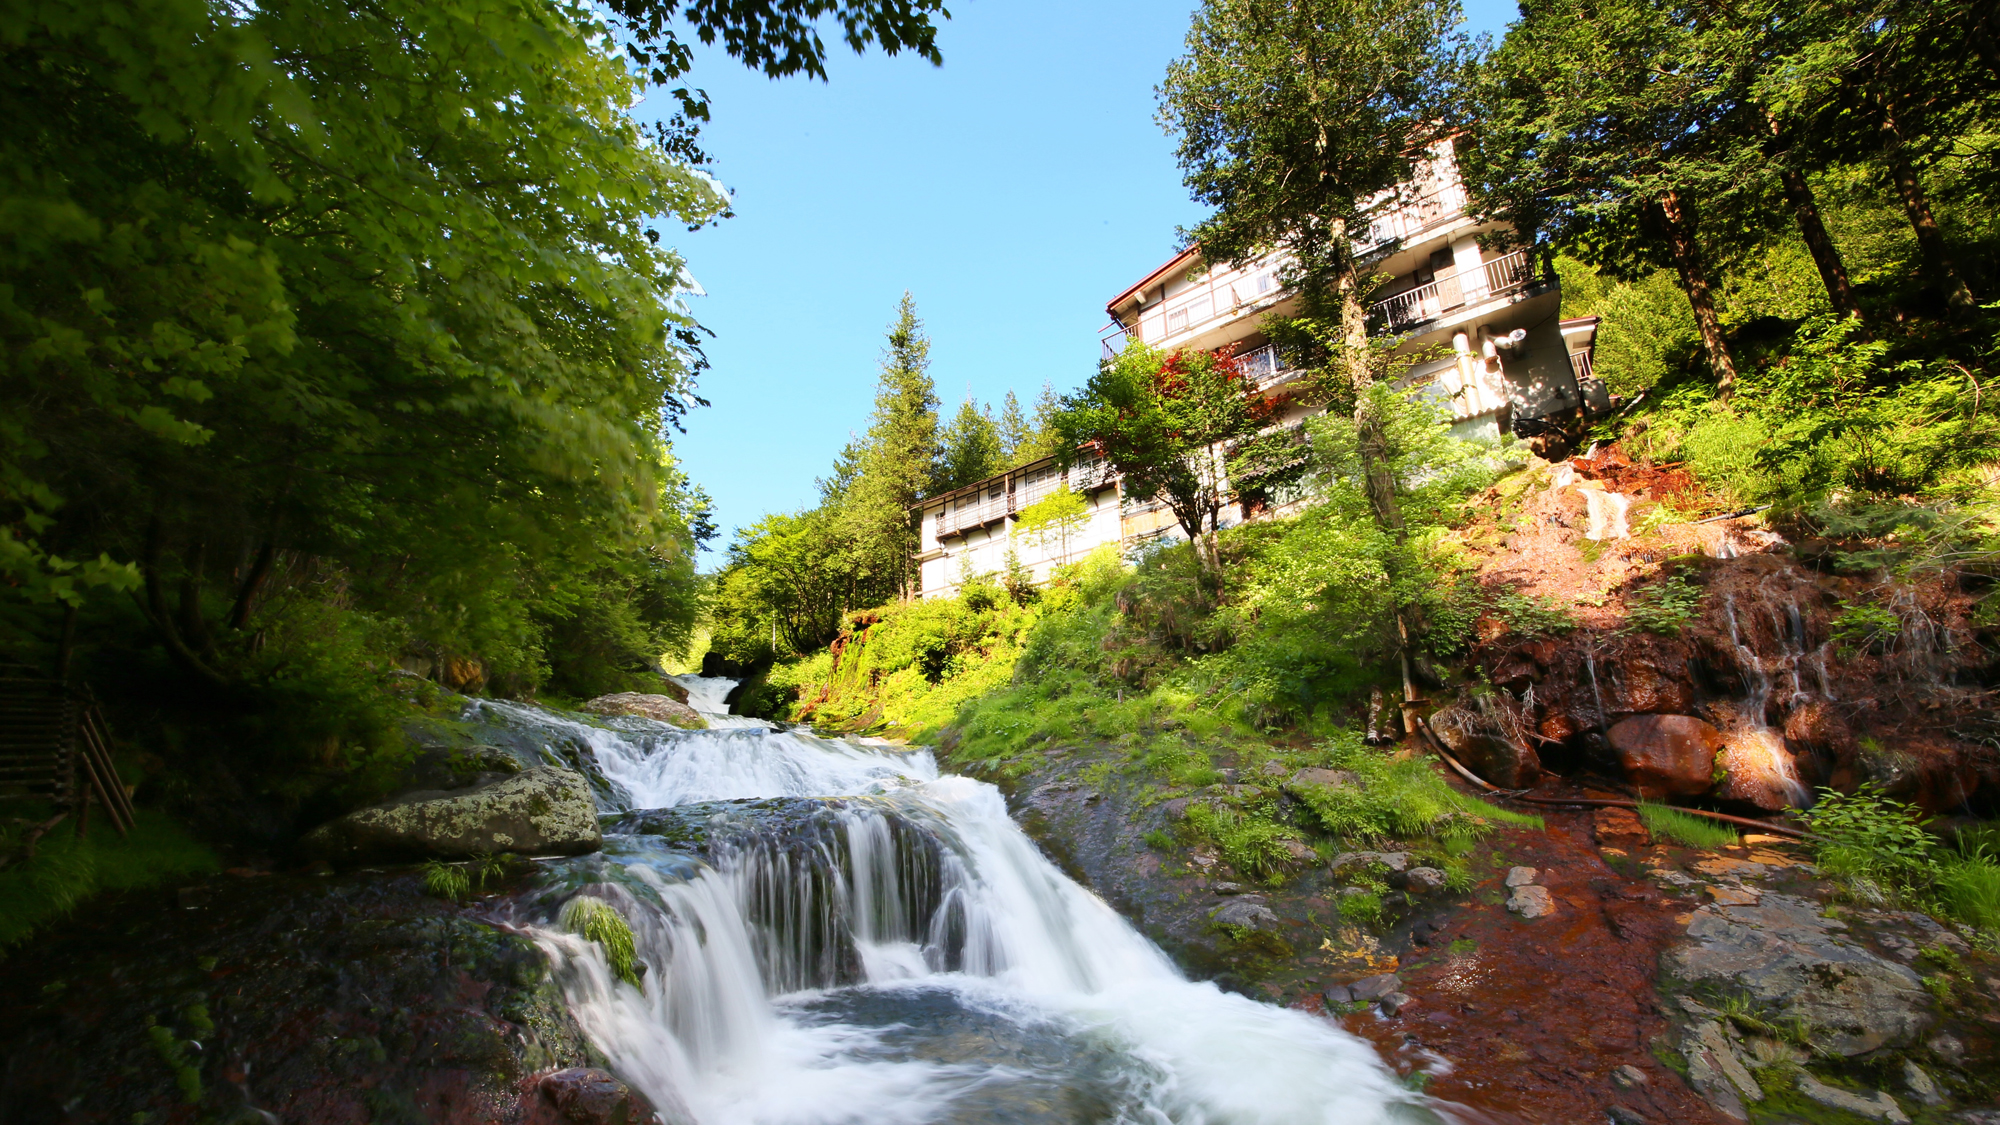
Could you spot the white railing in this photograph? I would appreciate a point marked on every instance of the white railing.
(1426, 303)
(1401, 220)
(956, 518)
(1580, 366)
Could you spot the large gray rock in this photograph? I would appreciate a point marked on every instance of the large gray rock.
(1247, 913)
(1790, 963)
(659, 708)
(542, 811)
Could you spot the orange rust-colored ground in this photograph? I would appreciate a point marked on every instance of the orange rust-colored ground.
(1532, 1020)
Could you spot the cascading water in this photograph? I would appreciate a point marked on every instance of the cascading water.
(832, 932)
(1757, 759)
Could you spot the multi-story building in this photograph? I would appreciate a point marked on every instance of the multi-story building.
(1507, 361)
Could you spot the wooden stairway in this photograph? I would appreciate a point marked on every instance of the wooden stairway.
(53, 745)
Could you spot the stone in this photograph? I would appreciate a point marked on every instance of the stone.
(1706, 1075)
(1921, 1085)
(1758, 770)
(1521, 876)
(1628, 1077)
(1619, 828)
(1531, 902)
(1946, 1045)
(542, 811)
(1666, 755)
(1625, 1115)
(1873, 1104)
(1361, 861)
(1374, 988)
(1423, 880)
(1339, 994)
(1394, 1003)
(659, 708)
(1501, 761)
(1710, 1036)
(1317, 778)
(589, 1096)
(1790, 963)
(1643, 685)
(1249, 914)
(1231, 889)
(1733, 896)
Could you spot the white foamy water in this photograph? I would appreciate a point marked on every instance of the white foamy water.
(911, 957)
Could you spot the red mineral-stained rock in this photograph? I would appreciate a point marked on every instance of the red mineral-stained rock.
(1505, 763)
(1667, 755)
(1646, 686)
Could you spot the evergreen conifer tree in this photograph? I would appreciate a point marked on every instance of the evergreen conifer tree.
(894, 465)
(1016, 435)
(973, 448)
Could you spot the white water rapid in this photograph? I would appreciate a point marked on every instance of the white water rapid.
(898, 953)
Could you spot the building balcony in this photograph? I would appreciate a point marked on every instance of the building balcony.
(1006, 495)
(1412, 309)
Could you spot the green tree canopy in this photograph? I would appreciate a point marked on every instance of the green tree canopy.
(972, 449)
(1164, 421)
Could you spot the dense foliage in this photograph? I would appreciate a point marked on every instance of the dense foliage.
(335, 339)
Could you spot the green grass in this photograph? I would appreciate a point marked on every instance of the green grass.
(597, 920)
(1694, 831)
(65, 871)
(1968, 887)
(1399, 799)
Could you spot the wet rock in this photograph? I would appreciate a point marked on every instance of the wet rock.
(1920, 1084)
(1394, 1003)
(1790, 963)
(1339, 994)
(1369, 989)
(1531, 902)
(1666, 755)
(1362, 861)
(1505, 763)
(1814, 726)
(1423, 880)
(1648, 685)
(659, 708)
(1521, 876)
(1628, 1077)
(1873, 1104)
(1246, 913)
(1619, 828)
(1758, 770)
(1231, 889)
(1626, 1115)
(543, 811)
(589, 1096)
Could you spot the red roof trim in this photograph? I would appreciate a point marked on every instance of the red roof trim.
(1111, 306)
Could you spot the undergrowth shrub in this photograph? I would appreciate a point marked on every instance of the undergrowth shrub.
(1664, 607)
(1252, 844)
(65, 870)
(1881, 845)
(1398, 798)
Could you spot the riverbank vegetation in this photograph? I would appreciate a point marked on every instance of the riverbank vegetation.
(338, 347)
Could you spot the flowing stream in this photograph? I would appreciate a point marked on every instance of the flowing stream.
(834, 932)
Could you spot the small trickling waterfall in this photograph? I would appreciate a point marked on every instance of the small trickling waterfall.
(1757, 758)
(833, 932)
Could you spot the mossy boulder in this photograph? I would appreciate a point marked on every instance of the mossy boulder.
(542, 811)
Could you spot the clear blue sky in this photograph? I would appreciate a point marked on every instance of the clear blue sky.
(1013, 191)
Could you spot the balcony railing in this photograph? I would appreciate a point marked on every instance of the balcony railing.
(1579, 364)
(956, 519)
(1403, 220)
(1425, 303)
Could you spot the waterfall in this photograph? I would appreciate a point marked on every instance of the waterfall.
(833, 932)
(1756, 754)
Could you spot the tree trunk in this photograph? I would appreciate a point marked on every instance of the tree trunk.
(1368, 424)
(1693, 269)
(1805, 208)
(1917, 205)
